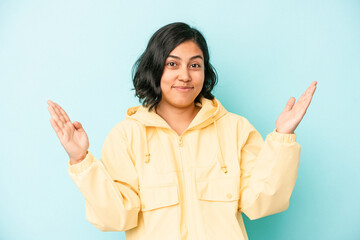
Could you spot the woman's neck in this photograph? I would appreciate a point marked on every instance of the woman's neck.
(178, 119)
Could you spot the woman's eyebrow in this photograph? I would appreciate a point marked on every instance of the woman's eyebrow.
(197, 56)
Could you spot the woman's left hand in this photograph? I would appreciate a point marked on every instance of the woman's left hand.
(293, 113)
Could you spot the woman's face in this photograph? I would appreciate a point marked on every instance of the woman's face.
(183, 76)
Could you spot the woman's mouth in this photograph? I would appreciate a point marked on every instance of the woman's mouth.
(183, 88)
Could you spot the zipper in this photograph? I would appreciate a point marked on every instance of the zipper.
(187, 189)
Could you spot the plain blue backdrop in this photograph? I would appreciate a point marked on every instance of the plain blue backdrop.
(79, 54)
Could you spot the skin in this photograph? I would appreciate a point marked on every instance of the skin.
(293, 113)
(72, 136)
(181, 82)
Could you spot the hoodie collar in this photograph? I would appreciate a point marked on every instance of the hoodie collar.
(210, 111)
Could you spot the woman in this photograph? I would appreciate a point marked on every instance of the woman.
(180, 166)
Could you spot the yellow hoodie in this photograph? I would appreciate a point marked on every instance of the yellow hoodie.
(155, 184)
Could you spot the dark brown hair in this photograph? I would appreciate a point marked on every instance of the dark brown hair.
(148, 69)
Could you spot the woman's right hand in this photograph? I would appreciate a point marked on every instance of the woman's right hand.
(71, 135)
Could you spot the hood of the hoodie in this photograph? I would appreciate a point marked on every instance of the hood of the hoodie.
(211, 110)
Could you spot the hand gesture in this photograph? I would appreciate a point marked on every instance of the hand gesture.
(293, 113)
(71, 135)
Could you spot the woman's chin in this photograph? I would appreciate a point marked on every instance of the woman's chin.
(179, 103)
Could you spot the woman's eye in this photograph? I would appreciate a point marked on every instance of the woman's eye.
(171, 64)
(195, 65)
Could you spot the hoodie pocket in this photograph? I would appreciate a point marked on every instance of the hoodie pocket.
(160, 208)
(220, 189)
(217, 200)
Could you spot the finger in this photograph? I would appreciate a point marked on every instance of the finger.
(68, 125)
(57, 129)
(304, 98)
(289, 104)
(62, 111)
(58, 111)
(309, 93)
(309, 97)
(65, 124)
(304, 101)
(51, 103)
(311, 89)
(314, 85)
(78, 126)
(306, 93)
(55, 116)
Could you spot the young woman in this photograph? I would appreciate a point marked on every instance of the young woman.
(180, 166)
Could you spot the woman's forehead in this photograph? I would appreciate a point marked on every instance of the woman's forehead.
(187, 50)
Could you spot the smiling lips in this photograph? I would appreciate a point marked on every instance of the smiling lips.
(183, 87)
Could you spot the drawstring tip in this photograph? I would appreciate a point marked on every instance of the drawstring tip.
(147, 160)
(224, 168)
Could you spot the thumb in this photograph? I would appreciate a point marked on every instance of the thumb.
(289, 104)
(77, 125)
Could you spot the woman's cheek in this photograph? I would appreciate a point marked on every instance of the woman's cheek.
(165, 80)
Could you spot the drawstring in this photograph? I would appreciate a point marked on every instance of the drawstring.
(221, 159)
(147, 155)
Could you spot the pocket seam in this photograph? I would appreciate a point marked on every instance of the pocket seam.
(153, 198)
(219, 189)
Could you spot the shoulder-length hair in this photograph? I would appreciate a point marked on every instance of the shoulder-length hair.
(148, 69)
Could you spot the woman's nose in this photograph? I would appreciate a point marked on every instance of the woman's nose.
(184, 74)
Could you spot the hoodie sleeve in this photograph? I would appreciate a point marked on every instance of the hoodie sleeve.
(268, 172)
(109, 186)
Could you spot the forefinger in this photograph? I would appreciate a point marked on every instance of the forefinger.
(61, 111)
(307, 96)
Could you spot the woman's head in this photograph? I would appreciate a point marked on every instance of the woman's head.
(149, 68)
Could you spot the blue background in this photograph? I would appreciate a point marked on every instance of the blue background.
(80, 53)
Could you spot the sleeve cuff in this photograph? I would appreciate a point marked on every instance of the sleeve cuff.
(83, 165)
(283, 137)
